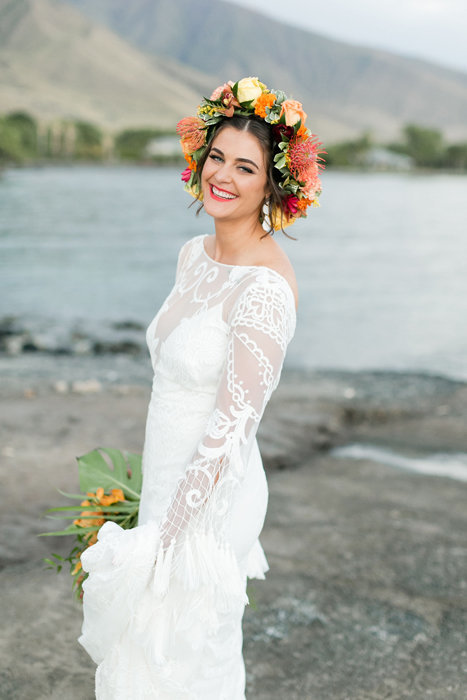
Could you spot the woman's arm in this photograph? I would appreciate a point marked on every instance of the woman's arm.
(261, 325)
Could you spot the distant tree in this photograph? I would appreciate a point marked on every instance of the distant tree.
(130, 143)
(455, 156)
(11, 150)
(26, 128)
(397, 147)
(424, 145)
(88, 141)
(348, 153)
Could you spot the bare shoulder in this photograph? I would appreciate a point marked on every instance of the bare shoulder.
(277, 259)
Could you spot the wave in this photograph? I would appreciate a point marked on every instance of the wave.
(450, 465)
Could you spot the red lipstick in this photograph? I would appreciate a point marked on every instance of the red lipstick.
(222, 199)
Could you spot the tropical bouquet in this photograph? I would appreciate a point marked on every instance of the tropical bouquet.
(110, 483)
(298, 151)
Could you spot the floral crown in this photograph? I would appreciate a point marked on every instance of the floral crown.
(296, 152)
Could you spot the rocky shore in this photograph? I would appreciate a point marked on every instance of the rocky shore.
(366, 597)
(19, 336)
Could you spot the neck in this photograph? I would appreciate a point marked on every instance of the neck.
(235, 243)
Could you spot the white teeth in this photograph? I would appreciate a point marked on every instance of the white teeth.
(224, 195)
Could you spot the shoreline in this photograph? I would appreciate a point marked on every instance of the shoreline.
(368, 563)
(312, 410)
(117, 364)
(349, 415)
(176, 160)
(116, 352)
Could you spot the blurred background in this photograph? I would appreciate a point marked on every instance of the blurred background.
(91, 91)
(92, 215)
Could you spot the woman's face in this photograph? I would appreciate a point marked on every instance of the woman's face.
(234, 176)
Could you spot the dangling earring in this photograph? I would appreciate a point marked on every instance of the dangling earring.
(264, 211)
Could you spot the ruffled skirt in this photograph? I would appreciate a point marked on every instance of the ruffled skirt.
(163, 634)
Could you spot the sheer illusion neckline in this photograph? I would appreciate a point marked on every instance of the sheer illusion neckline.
(249, 267)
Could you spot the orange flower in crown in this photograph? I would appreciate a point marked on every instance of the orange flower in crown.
(293, 112)
(264, 101)
(296, 149)
(192, 134)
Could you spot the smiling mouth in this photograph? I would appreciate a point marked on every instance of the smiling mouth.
(221, 194)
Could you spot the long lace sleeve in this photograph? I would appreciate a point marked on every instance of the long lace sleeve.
(262, 323)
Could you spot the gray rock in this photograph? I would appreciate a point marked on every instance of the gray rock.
(365, 598)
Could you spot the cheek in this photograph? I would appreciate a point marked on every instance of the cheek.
(207, 172)
(258, 191)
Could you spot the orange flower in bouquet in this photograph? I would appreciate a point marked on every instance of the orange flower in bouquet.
(111, 483)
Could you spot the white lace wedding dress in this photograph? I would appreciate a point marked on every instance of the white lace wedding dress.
(173, 631)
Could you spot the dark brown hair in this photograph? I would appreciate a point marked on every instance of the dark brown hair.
(263, 132)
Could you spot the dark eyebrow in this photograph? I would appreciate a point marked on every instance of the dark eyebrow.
(241, 160)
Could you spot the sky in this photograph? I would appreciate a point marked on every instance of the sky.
(435, 30)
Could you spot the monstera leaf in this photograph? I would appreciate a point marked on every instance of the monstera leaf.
(110, 481)
(123, 472)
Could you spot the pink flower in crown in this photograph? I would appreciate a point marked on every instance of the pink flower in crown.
(192, 134)
(229, 101)
(290, 204)
(186, 174)
(226, 87)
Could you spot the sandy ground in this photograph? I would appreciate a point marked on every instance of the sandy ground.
(366, 597)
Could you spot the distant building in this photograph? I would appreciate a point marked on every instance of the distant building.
(378, 158)
(163, 147)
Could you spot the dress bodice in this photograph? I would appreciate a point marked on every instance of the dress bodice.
(187, 338)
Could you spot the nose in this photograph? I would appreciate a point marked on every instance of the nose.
(223, 173)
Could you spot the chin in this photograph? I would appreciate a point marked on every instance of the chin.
(218, 210)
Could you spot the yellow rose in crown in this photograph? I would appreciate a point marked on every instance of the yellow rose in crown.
(249, 89)
(293, 112)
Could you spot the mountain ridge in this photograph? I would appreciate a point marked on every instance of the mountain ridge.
(57, 63)
(336, 80)
(147, 64)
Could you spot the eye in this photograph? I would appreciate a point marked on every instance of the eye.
(246, 169)
(216, 158)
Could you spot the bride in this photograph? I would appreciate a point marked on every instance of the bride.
(163, 602)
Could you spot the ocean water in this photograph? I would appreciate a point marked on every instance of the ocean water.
(381, 265)
(449, 465)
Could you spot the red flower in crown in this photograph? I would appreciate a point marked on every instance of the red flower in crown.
(281, 130)
(301, 158)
